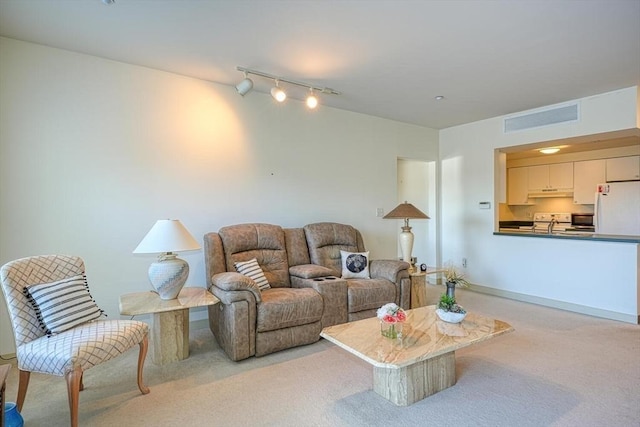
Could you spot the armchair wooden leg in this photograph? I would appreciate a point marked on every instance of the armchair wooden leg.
(74, 378)
(23, 384)
(144, 346)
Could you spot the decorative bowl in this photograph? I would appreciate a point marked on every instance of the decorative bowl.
(449, 316)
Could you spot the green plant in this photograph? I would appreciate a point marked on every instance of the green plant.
(448, 303)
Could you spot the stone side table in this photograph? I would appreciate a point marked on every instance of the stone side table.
(169, 320)
(419, 287)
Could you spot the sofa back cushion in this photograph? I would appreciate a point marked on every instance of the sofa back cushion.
(327, 239)
(265, 243)
(297, 250)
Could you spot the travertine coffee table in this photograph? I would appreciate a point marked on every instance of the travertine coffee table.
(422, 361)
(169, 320)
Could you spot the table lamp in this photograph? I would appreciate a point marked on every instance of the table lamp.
(169, 273)
(406, 211)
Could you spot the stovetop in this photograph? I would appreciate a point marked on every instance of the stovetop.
(541, 221)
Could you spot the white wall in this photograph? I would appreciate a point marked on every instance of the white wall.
(598, 278)
(417, 185)
(93, 152)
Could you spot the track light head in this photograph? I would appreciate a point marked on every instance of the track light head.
(277, 93)
(312, 100)
(245, 85)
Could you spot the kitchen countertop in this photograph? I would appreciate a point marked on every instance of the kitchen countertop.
(571, 236)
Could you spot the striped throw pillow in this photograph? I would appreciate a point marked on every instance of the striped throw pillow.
(252, 269)
(64, 304)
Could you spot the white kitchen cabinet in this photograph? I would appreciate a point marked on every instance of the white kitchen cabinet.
(518, 186)
(623, 169)
(557, 176)
(586, 176)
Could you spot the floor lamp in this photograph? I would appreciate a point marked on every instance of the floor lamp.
(406, 211)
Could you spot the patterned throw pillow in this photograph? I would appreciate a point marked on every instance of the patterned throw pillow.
(355, 265)
(64, 304)
(252, 269)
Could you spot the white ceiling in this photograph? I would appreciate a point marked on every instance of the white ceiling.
(388, 58)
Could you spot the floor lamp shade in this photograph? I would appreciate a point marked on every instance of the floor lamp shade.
(406, 211)
(169, 274)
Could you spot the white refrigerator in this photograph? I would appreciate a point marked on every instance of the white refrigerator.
(617, 208)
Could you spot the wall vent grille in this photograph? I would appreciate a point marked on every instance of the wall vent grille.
(566, 113)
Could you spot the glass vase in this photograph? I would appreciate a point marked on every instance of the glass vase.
(391, 330)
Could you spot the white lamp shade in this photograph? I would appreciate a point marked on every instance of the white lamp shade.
(167, 235)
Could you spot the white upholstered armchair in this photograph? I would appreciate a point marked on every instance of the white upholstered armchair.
(68, 344)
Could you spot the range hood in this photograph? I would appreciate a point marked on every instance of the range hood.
(551, 192)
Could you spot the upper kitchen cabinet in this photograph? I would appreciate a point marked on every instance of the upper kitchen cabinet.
(586, 176)
(623, 169)
(518, 186)
(549, 180)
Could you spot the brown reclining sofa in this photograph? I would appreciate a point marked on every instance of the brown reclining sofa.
(303, 267)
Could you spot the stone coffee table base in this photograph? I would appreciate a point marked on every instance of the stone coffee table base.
(422, 361)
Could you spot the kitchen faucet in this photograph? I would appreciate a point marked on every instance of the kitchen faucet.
(550, 227)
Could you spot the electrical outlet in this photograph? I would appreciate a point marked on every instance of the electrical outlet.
(379, 212)
(464, 262)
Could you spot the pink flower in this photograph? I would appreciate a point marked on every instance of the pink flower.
(389, 319)
(391, 313)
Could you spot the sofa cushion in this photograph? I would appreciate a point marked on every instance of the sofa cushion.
(265, 242)
(252, 269)
(366, 294)
(286, 307)
(355, 265)
(327, 239)
(63, 304)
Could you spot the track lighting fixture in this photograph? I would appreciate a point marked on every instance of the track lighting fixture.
(245, 85)
(312, 101)
(277, 91)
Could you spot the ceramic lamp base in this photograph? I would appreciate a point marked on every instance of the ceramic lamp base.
(406, 243)
(168, 275)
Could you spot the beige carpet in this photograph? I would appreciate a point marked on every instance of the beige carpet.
(556, 369)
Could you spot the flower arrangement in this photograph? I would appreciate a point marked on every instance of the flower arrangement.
(391, 318)
(391, 313)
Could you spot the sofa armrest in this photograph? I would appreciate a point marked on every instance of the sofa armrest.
(388, 269)
(230, 287)
(309, 271)
(334, 296)
(396, 272)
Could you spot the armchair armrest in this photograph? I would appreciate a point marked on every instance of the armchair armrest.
(230, 287)
(389, 269)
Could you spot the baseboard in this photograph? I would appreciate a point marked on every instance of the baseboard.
(576, 308)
